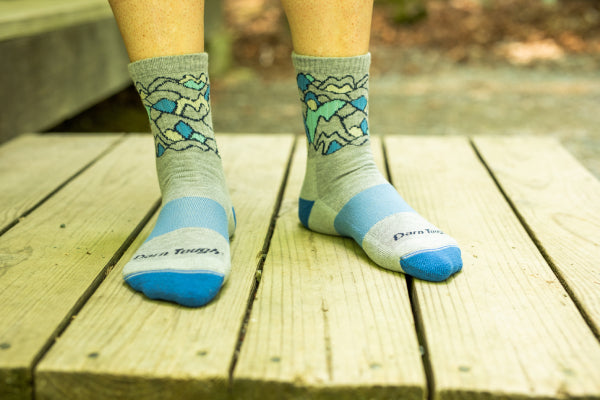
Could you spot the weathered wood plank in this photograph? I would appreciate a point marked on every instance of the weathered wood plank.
(504, 327)
(327, 322)
(559, 202)
(123, 346)
(29, 17)
(50, 260)
(33, 166)
(56, 74)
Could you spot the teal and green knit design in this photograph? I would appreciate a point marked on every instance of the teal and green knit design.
(179, 110)
(334, 109)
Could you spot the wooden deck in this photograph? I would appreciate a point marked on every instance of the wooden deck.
(303, 315)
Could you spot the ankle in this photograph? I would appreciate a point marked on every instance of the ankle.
(341, 175)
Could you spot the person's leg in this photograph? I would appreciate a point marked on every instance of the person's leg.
(186, 257)
(329, 28)
(343, 192)
(158, 28)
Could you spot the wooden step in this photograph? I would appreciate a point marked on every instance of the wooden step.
(303, 315)
(59, 57)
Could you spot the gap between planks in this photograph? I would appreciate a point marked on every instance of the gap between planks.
(327, 320)
(51, 161)
(503, 327)
(558, 202)
(104, 352)
(416, 305)
(54, 257)
(261, 263)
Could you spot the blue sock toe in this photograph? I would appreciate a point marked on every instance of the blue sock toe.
(434, 265)
(191, 289)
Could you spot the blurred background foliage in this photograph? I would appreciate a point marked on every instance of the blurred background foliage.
(249, 39)
(517, 31)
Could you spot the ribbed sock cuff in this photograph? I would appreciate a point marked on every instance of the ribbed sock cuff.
(168, 64)
(327, 65)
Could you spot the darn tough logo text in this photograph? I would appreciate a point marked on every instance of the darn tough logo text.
(401, 235)
(201, 250)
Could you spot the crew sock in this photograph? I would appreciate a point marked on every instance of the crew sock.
(186, 258)
(343, 192)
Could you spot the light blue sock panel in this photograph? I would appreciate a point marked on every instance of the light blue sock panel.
(186, 258)
(422, 251)
(191, 238)
(343, 192)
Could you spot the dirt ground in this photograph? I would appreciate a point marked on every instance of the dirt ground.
(468, 67)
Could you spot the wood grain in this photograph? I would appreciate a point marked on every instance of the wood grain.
(326, 322)
(33, 166)
(559, 201)
(504, 327)
(50, 260)
(124, 346)
(29, 17)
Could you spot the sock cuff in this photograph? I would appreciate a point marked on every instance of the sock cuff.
(185, 63)
(329, 65)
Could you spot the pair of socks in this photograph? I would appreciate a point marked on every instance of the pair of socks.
(186, 258)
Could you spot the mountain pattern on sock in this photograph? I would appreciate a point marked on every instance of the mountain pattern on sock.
(343, 192)
(186, 258)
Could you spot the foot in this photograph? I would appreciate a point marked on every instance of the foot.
(186, 258)
(343, 192)
(362, 205)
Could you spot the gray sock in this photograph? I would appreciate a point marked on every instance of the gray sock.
(186, 257)
(343, 192)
